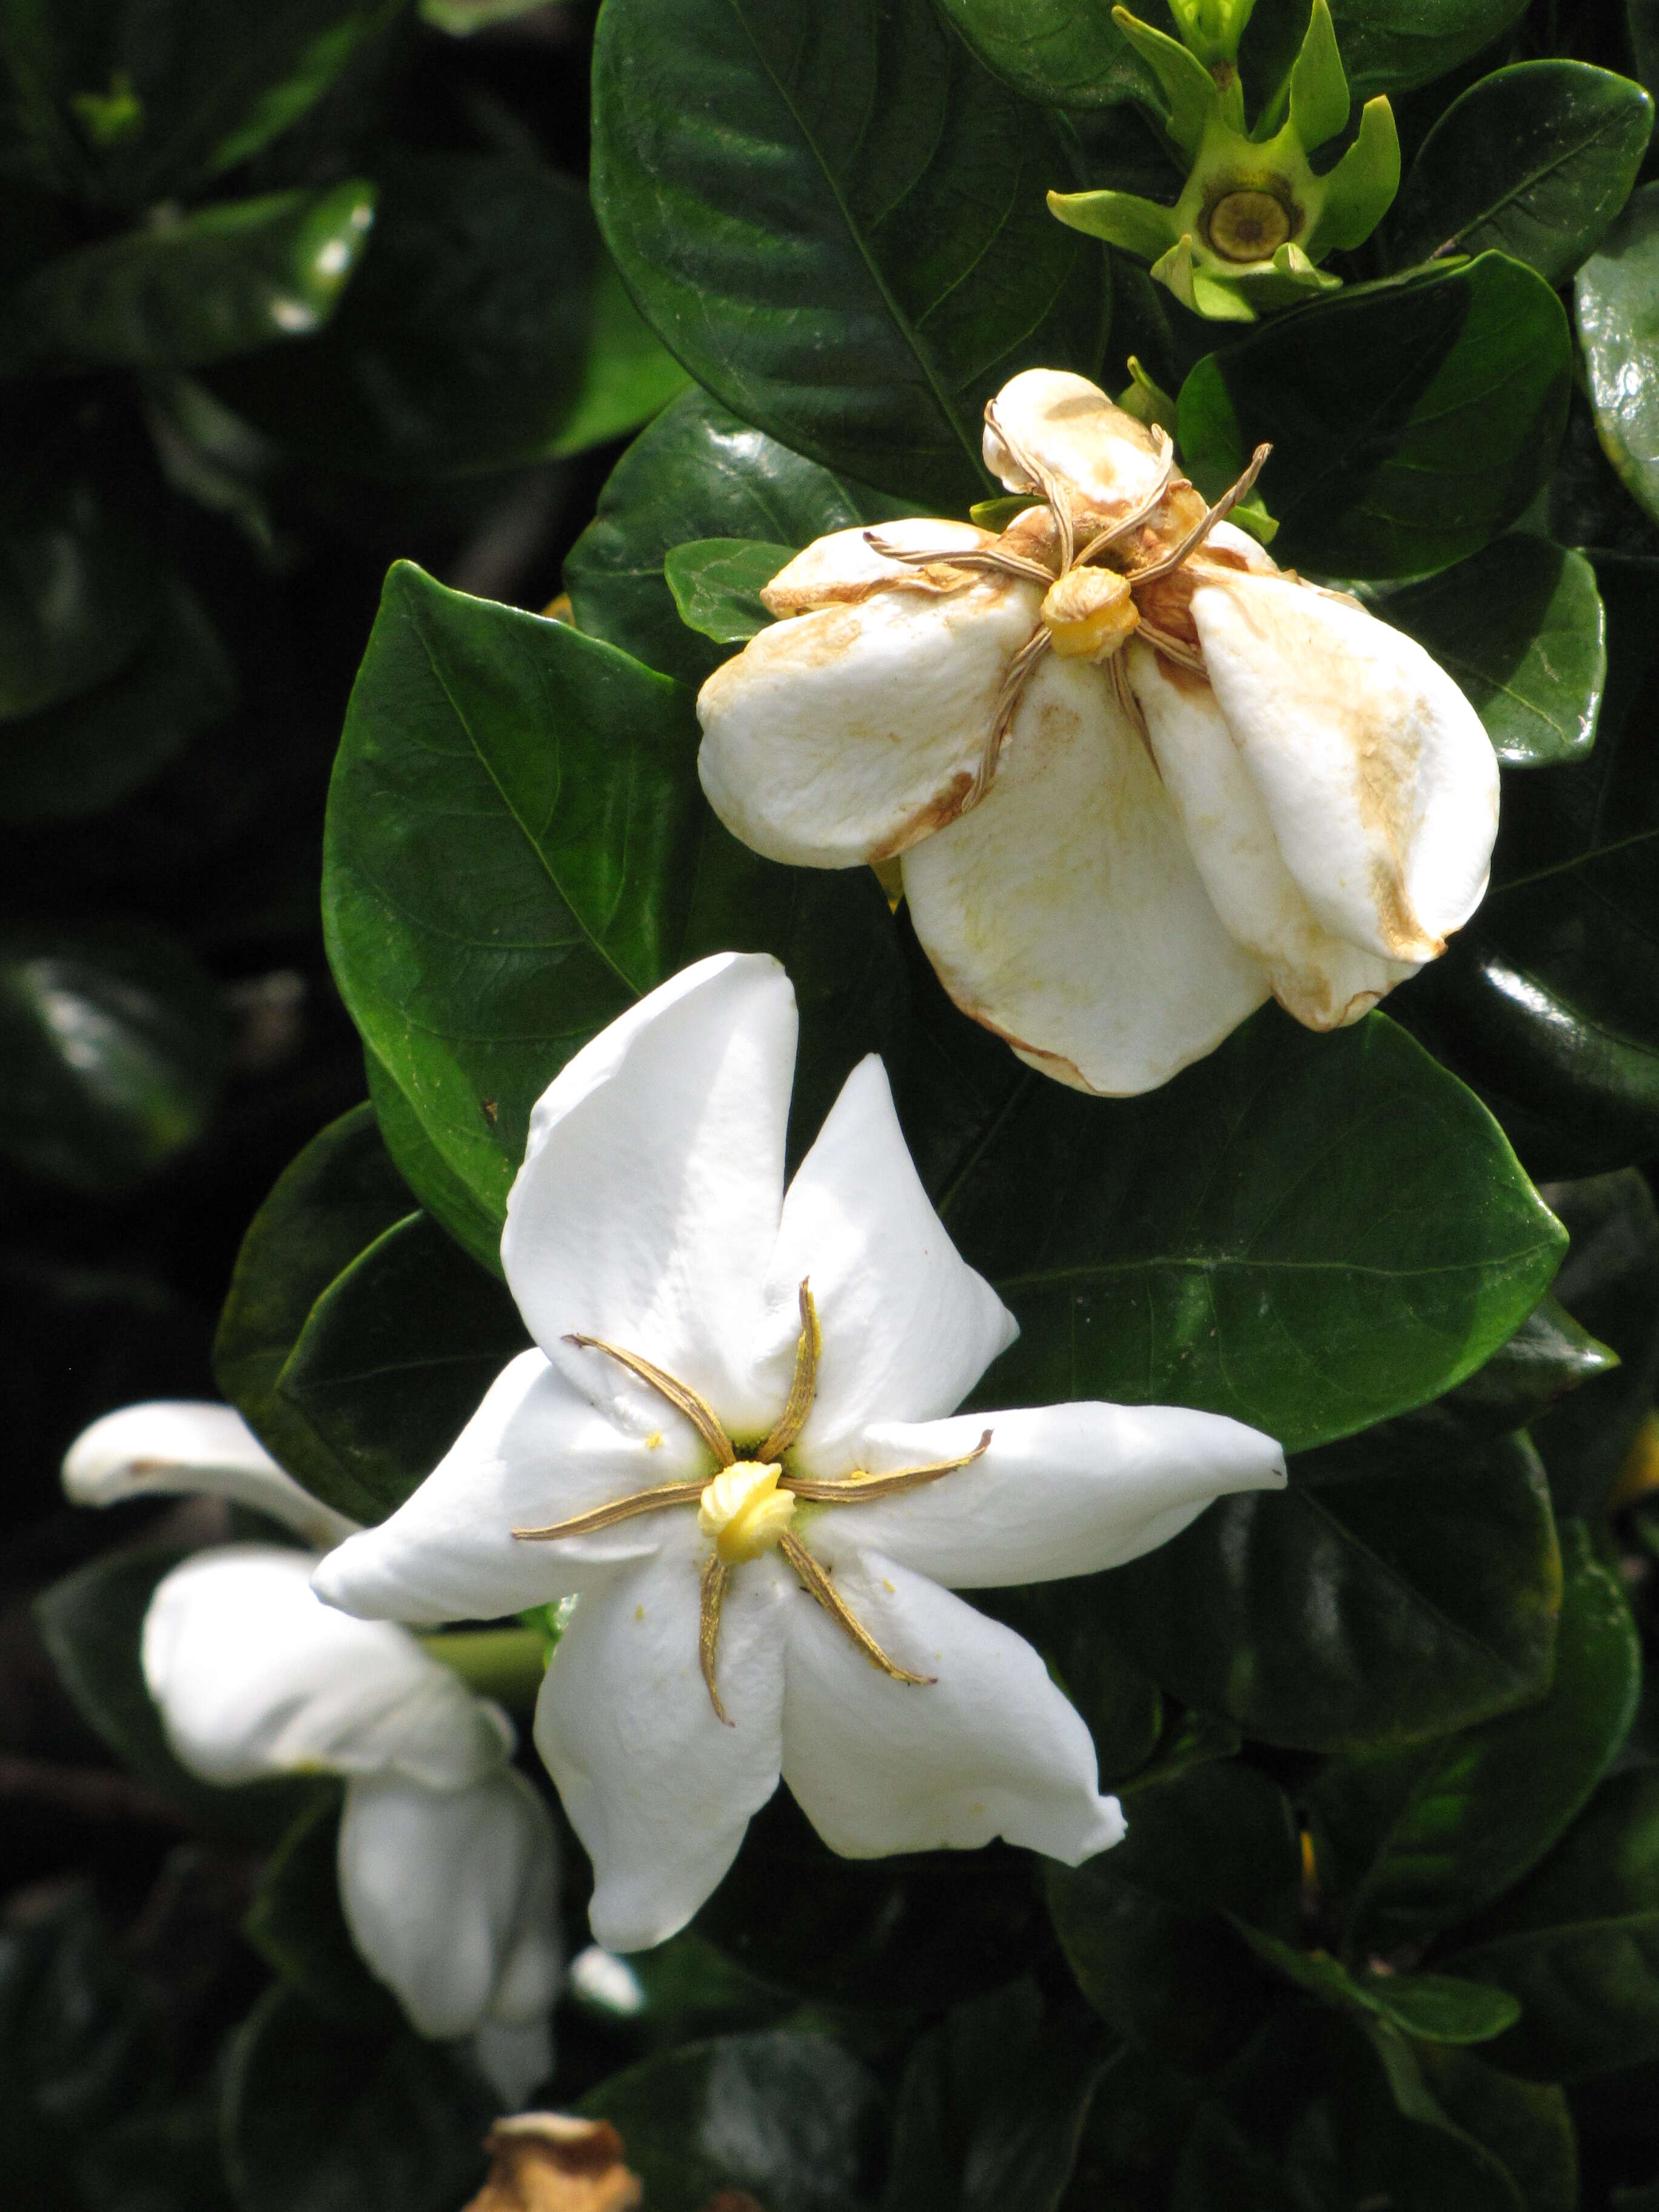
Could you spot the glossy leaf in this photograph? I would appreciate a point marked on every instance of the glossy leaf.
(1578, 1943)
(318, 2116)
(1437, 1597)
(1411, 422)
(1534, 161)
(91, 1623)
(1435, 2007)
(1611, 1274)
(1424, 1838)
(901, 263)
(330, 1203)
(696, 472)
(516, 848)
(1546, 1002)
(78, 597)
(446, 1198)
(296, 1924)
(395, 1357)
(486, 329)
(1617, 300)
(112, 1054)
(226, 279)
(717, 583)
(1521, 627)
(1057, 52)
(788, 2117)
(1305, 1232)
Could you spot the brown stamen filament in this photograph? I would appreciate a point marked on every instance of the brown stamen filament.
(620, 1509)
(861, 1489)
(680, 1396)
(803, 1387)
(818, 1585)
(715, 1576)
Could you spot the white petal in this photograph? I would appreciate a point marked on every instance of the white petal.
(989, 1748)
(660, 1791)
(179, 1446)
(847, 734)
(907, 1327)
(1111, 463)
(648, 1200)
(254, 1675)
(514, 2060)
(845, 567)
(1065, 912)
(1380, 782)
(1063, 1489)
(1321, 979)
(447, 1893)
(535, 1452)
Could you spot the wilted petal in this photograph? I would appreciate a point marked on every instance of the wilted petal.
(989, 1748)
(1066, 913)
(1063, 1490)
(846, 567)
(648, 1200)
(172, 1446)
(254, 1675)
(847, 734)
(660, 1790)
(907, 1327)
(535, 1452)
(1322, 980)
(1378, 777)
(450, 1897)
(1110, 463)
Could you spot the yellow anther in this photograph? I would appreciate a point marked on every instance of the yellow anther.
(745, 1511)
(1089, 614)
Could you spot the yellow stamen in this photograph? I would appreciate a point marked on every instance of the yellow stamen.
(1090, 614)
(745, 1511)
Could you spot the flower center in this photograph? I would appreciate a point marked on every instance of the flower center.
(1248, 226)
(745, 1511)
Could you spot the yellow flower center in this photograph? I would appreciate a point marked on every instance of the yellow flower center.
(1248, 226)
(745, 1511)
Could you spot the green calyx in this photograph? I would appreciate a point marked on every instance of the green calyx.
(1254, 220)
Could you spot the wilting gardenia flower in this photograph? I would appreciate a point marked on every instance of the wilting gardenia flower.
(1138, 777)
(733, 1446)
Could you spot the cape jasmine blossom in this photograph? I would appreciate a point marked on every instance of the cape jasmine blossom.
(1138, 778)
(734, 1448)
(447, 1860)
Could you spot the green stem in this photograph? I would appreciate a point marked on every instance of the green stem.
(504, 1663)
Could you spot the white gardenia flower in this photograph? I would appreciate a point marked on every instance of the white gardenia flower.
(1138, 778)
(734, 1445)
(447, 1868)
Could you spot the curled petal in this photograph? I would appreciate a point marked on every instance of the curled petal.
(1376, 775)
(176, 1446)
(987, 1747)
(647, 1207)
(1108, 463)
(535, 1452)
(253, 1676)
(847, 734)
(1061, 1490)
(659, 1788)
(1065, 912)
(846, 567)
(452, 1898)
(1324, 981)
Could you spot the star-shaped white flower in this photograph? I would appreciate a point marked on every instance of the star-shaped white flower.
(733, 1446)
(1138, 778)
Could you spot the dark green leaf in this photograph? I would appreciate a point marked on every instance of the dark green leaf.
(112, 1054)
(94, 749)
(395, 1356)
(1144, 1926)
(127, 101)
(1535, 161)
(1611, 1274)
(1061, 53)
(1359, 1614)
(516, 848)
(485, 328)
(327, 1206)
(1219, 2165)
(446, 1197)
(1122, 1707)
(296, 1924)
(696, 472)
(1411, 422)
(1521, 627)
(320, 2119)
(790, 2118)
(1390, 45)
(1422, 1838)
(1435, 2007)
(1546, 1001)
(1616, 300)
(901, 263)
(1306, 1232)
(1528, 2126)
(717, 583)
(1578, 1942)
(91, 1623)
(78, 597)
